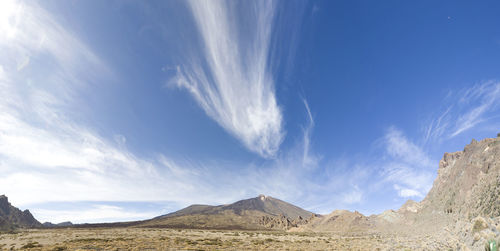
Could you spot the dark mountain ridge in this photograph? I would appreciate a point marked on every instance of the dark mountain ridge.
(12, 218)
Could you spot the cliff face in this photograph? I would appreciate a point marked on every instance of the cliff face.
(468, 182)
(11, 217)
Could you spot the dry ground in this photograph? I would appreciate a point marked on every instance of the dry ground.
(184, 239)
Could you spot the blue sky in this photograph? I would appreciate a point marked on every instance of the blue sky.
(124, 110)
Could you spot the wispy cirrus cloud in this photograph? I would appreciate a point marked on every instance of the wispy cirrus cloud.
(232, 81)
(465, 110)
(48, 156)
(482, 99)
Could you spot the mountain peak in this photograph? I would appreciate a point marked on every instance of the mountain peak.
(262, 197)
(11, 217)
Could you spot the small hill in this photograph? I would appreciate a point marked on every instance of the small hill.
(62, 224)
(338, 221)
(260, 213)
(12, 218)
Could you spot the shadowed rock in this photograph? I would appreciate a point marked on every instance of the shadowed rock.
(12, 218)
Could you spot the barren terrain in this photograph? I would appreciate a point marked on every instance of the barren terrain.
(184, 239)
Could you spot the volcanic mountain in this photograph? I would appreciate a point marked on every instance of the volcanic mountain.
(11, 217)
(262, 212)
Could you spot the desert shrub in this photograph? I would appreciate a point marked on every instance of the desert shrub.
(179, 240)
(59, 249)
(479, 224)
(258, 242)
(216, 241)
(31, 245)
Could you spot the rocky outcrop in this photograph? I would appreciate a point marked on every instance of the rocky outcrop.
(12, 218)
(282, 222)
(410, 206)
(468, 182)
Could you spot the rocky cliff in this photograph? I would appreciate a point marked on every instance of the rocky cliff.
(468, 182)
(12, 218)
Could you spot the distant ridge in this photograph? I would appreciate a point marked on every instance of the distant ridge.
(12, 218)
(338, 221)
(62, 224)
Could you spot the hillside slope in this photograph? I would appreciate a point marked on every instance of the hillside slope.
(12, 218)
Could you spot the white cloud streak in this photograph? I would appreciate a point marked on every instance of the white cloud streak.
(406, 165)
(308, 159)
(487, 98)
(232, 82)
(48, 157)
(466, 109)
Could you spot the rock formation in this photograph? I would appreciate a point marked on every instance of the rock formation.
(468, 182)
(12, 218)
